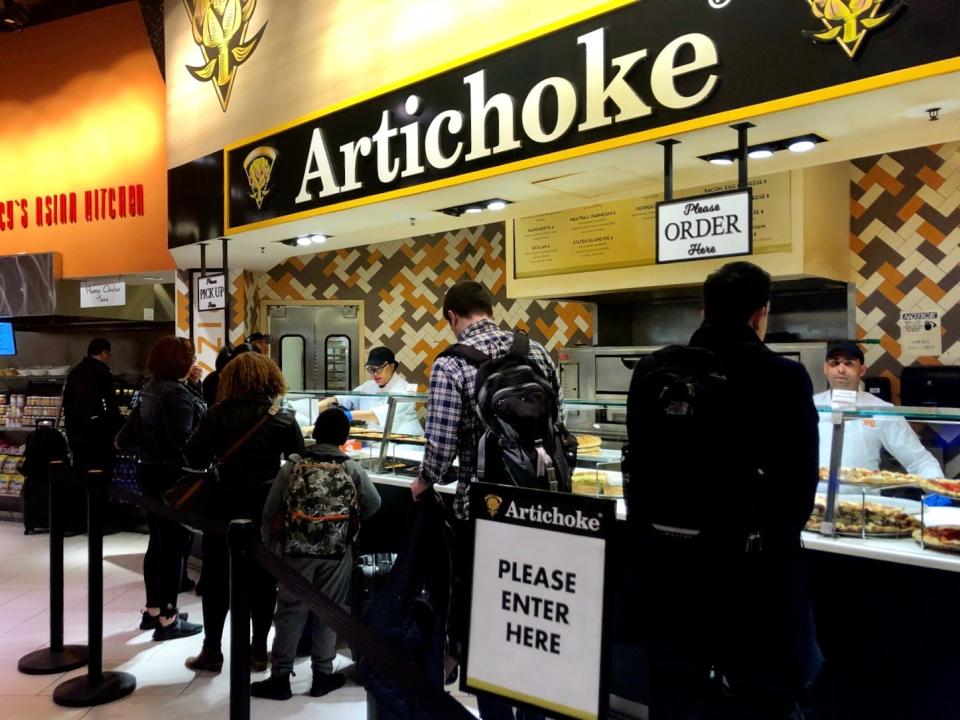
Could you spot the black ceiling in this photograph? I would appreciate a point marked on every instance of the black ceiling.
(15, 15)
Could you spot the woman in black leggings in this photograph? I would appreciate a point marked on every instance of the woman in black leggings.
(251, 387)
(171, 408)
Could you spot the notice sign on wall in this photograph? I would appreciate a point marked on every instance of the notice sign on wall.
(211, 292)
(100, 294)
(536, 634)
(705, 226)
(920, 333)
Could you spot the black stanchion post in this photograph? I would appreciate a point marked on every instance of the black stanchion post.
(238, 536)
(57, 658)
(96, 687)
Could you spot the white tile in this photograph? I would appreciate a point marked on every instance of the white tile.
(33, 708)
(154, 677)
(14, 617)
(14, 682)
(14, 646)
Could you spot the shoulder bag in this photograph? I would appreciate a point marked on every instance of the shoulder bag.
(193, 492)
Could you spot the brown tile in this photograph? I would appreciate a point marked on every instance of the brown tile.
(931, 289)
(931, 234)
(910, 208)
(931, 177)
(891, 292)
(891, 273)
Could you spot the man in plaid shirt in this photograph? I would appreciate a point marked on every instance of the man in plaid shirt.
(453, 429)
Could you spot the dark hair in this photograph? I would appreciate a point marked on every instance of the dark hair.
(468, 299)
(735, 292)
(171, 358)
(97, 346)
(331, 427)
(227, 354)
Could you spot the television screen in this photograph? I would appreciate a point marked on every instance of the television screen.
(930, 386)
(8, 344)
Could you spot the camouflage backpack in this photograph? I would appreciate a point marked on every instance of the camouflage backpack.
(321, 515)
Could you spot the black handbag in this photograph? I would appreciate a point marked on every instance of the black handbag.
(193, 492)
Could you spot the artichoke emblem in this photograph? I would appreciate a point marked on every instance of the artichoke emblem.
(847, 21)
(258, 165)
(220, 29)
(493, 503)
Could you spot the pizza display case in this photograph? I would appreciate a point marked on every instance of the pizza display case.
(389, 454)
(888, 513)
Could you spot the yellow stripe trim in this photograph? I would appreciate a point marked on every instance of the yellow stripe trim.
(530, 699)
(833, 92)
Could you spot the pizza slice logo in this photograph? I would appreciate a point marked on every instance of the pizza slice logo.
(258, 165)
(220, 31)
(493, 503)
(849, 21)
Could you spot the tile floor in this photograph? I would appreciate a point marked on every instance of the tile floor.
(165, 688)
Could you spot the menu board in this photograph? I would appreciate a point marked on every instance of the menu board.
(622, 233)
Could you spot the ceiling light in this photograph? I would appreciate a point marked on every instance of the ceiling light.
(303, 241)
(721, 160)
(152, 277)
(760, 153)
(473, 209)
(797, 143)
(318, 239)
(496, 205)
(801, 146)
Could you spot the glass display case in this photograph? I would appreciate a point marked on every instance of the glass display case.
(891, 502)
(384, 451)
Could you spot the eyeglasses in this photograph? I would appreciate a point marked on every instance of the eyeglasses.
(375, 368)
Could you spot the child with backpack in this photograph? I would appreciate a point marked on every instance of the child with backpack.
(311, 517)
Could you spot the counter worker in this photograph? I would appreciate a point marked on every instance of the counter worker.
(382, 367)
(863, 437)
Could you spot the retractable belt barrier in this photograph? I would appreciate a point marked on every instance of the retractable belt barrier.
(384, 659)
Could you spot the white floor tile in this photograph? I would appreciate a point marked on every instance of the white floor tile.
(14, 682)
(33, 708)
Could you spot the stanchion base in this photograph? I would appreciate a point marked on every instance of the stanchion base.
(81, 692)
(47, 661)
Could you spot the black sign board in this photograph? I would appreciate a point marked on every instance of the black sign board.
(631, 74)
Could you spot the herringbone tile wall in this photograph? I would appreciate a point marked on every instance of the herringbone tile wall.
(905, 250)
(403, 283)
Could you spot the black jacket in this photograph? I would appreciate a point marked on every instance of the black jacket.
(169, 413)
(258, 460)
(90, 410)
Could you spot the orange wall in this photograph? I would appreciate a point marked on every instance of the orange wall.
(82, 106)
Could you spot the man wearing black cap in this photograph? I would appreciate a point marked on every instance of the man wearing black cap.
(381, 366)
(260, 342)
(863, 437)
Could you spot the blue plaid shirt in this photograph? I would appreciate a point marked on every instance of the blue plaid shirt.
(452, 427)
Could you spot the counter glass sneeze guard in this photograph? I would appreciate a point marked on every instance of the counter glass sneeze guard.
(878, 504)
(598, 462)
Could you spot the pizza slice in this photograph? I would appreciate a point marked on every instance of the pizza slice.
(941, 486)
(940, 537)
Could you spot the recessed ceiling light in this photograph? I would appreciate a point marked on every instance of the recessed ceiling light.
(303, 241)
(473, 209)
(152, 277)
(318, 239)
(496, 205)
(760, 154)
(801, 146)
(721, 161)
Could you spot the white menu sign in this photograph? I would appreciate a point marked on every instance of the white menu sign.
(705, 226)
(102, 294)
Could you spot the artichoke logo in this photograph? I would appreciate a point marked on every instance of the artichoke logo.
(493, 503)
(220, 29)
(848, 21)
(258, 165)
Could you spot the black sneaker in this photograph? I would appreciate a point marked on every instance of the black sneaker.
(179, 628)
(275, 687)
(324, 683)
(150, 622)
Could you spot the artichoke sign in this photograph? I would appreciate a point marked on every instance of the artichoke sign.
(218, 28)
(847, 21)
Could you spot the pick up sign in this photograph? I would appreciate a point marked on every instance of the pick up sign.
(537, 602)
(211, 292)
(705, 226)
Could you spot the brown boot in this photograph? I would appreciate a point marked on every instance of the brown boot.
(208, 660)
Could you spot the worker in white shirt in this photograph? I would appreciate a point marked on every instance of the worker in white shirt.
(381, 366)
(863, 437)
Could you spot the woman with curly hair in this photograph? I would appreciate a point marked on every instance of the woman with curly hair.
(251, 389)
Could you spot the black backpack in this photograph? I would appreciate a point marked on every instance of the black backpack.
(691, 478)
(523, 442)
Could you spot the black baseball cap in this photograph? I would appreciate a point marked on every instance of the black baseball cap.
(257, 336)
(845, 347)
(380, 355)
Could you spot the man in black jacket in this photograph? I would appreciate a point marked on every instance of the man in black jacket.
(91, 415)
(728, 620)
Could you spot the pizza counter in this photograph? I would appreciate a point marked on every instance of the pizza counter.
(904, 551)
